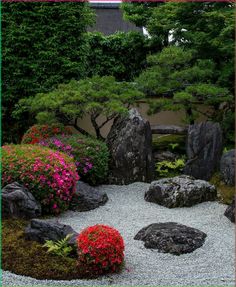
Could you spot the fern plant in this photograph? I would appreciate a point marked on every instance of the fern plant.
(60, 247)
(170, 168)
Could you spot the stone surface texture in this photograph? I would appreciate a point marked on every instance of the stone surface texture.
(204, 149)
(227, 167)
(230, 211)
(171, 237)
(130, 145)
(18, 202)
(180, 191)
(41, 230)
(87, 197)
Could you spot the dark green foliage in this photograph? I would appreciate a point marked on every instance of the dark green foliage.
(167, 142)
(121, 55)
(42, 45)
(95, 96)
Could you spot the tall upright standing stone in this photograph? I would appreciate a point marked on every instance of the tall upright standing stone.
(130, 145)
(204, 149)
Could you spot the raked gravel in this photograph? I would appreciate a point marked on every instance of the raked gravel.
(127, 211)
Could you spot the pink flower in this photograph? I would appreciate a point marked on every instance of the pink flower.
(54, 206)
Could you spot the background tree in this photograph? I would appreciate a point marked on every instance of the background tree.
(96, 96)
(182, 83)
(42, 46)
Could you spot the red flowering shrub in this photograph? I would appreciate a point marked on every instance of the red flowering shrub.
(50, 175)
(100, 249)
(39, 132)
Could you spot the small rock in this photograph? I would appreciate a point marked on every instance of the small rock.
(130, 146)
(227, 167)
(230, 211)
(171, 237)
(42, 230)
(164, 155)
(87, 198)
(180, 191)
(18, 202)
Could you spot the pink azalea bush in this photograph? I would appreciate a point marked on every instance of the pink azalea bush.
(50, 175)
(90, 155)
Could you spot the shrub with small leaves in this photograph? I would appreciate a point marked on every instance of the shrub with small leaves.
(170, 168)
(50, 175)
(39, 132)
(100, 249)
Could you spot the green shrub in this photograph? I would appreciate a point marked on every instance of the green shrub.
(170, 168)
(50, 175)
(90, 155)
(39, 132)
(60, 247)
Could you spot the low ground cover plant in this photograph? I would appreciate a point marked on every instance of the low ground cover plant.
(37, 133)
(90, 155)
(100, 249)
(167, 168)
(50, 175)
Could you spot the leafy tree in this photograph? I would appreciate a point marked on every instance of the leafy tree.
(182, 83)
(96, 96)
(122, 55)
(42, 45)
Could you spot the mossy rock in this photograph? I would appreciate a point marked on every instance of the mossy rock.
(31, 259)
(167, 142)
(225, 192)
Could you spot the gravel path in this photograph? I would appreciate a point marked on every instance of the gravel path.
(126, 210)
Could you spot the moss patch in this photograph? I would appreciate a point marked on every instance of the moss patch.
(167, 142)
(225, 192)
(29, 258)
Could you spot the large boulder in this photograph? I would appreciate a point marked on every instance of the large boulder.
(227, 167)
(41, 230)
(171, 237)
(87, 197)
(18, 202)
(204, 149)
(180, 191)
(130, 145)
(230, 211)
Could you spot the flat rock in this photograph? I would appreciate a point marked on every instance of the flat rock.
(227, 167)
(130, 146)
(171, 237)
(204, 149)
(230, 211)
(87, 197)
(18, 202)
(42, 230)
(180, 191)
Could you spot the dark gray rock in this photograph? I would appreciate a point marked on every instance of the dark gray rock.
(171, 237)
(169, 129)
(42, 230)
(18, 202)
(204, 149)
(87, 197)
(227, 167)
(230, 211)
(180, 191)
(164, 155)
(130, 145)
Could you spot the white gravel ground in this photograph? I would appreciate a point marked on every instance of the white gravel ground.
(126, 210)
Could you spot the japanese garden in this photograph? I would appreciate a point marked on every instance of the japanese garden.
(118, 147)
